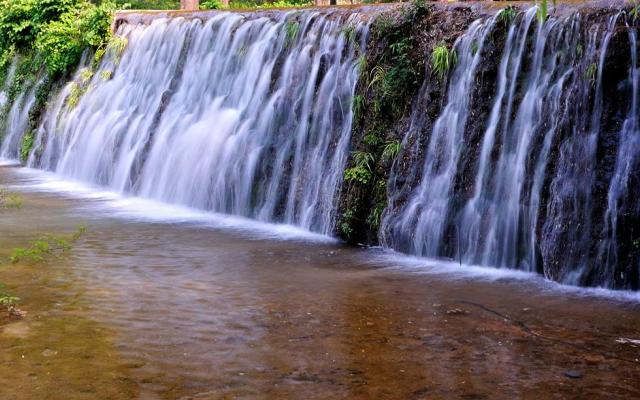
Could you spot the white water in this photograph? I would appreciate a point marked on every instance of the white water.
(249, 116)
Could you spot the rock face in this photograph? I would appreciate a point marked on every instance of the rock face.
(525, 154)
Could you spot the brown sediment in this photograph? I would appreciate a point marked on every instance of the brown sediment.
(53, 351)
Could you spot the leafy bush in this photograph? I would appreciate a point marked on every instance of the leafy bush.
(210, 5)
(62, 41)
(57, 30)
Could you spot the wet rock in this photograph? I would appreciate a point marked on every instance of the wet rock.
(458, 311)
(573, 374)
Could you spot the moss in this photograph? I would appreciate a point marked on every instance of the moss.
(26, 146)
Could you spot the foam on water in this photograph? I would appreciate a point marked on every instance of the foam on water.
(117, 205)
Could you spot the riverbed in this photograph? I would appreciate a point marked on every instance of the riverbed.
(156, 302)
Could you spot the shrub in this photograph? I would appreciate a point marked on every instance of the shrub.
(210, 5)
(63, 41)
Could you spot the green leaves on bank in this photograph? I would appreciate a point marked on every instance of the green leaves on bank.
(58, 30)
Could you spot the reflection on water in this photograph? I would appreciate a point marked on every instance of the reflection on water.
(204, 313)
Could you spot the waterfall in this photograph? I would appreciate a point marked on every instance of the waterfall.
(242, 114)
(17, 120)
(626, 169)
(423, 218)
(532, 198)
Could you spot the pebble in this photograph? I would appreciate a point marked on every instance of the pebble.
(49, 353)
(573, 374)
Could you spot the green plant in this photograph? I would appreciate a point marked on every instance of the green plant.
(10, 200)
(420, 7)
(210, 5)
(371, 139)
(47, 246)
(442, 60)
(349, 31)
(391, 150)
(7, 300)
(106, 75)
(507, 15)
(63, 40)
(543, 10)
(634, 13)
(291, 29)
(591, 73)
(474, 47)
(375, 217)
(377, 75)
(358, 105)
(75, 92)
(26, 146)
(362, 158)
(362, 169)
(345, 223)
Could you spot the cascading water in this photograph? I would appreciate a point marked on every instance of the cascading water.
(423, 219)
(17, 120)
(243, 115)
(532, 202)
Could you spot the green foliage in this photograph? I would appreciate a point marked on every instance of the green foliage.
(26, 146)
(420, 7)
(7, 300)
(210, 5)
(363, 168)
(74, 95)
(543, 11)
(62, 41)
(591, 73)
(349, 31)
(634, 13)
(58, 30)
(243, 4)
(10, 200)
(442, 60)
(345, 224)
(41, 249)
(150, 4)
(371, 139)
(291, 29)
(507, 15)
(106, 75)
(391, 150)
(358, 105)
(376, 216)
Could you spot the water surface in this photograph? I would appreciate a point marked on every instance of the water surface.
(164, 304)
